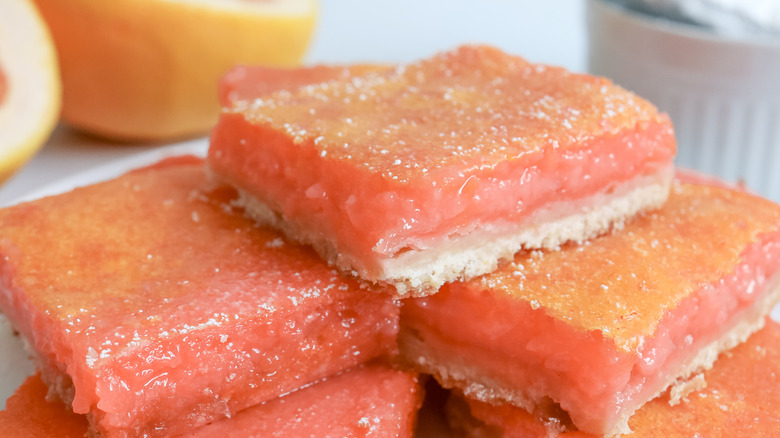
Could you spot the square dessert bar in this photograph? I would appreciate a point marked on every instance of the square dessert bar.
(155, 307)
(434, 171)
(602, 327)
(741, 400)
(370, 401)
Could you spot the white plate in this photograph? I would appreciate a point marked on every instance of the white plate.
(15, 364)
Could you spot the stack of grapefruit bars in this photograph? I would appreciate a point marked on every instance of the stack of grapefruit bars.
(514, 230)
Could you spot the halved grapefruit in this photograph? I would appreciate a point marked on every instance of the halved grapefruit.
(147, 70)
(29, 84)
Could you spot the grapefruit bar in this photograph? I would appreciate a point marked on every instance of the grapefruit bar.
(434, 171)
(154, 307)
(367, 401)
(599, 329)
(741, 399)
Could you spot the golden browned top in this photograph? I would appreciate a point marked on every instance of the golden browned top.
(622, 284)
(470, 108)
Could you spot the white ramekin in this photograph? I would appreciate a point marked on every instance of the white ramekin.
(722, 93)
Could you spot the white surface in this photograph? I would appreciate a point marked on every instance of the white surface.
(111, 169)
(551, 31)
(15, 364)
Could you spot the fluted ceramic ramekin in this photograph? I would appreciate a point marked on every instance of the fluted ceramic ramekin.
(722, 93)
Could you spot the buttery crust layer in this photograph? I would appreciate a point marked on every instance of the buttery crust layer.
(421, 272)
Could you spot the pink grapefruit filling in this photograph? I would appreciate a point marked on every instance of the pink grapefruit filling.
(370, 215)
(593, 380)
